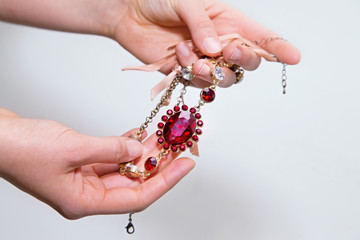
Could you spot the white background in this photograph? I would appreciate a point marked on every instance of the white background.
(271, 166)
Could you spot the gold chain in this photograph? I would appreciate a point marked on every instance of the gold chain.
(165, 98)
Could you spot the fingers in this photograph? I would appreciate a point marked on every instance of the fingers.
(202, 69)
(201, 27)
(152, 148)
(283, 50)
(125, 200)
(102, 169)
(238, 54)
(7, 113)
(90, 150)
(184, 54)
(133, 131)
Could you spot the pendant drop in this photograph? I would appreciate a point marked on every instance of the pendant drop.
(179, 128)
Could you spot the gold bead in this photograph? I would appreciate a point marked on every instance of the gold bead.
(132, 171)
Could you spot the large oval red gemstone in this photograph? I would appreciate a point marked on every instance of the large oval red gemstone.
(179, 128)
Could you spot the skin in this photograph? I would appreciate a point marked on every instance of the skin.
(78, 175)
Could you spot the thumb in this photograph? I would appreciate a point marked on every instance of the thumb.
(201, 27)
(108, 150)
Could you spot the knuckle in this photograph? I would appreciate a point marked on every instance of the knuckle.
(119, 149)
(204, 23)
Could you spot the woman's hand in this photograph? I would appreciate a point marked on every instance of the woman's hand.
(78, 175)
(148, 27)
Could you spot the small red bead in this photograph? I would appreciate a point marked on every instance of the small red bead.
(182, 147)
(158, 133)
(198, 116)
(174, 148)
(169, 112)
(195, 138)
(160, 125)
(189, 144)
(208, 95)
(176, 108)
(192, 110)
(198, 131)
(200, 123)
(161, 140)
(164, 118)
(166, 146)
(184, 107)
(150, 164)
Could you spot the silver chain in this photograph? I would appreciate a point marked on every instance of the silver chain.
(284, 78)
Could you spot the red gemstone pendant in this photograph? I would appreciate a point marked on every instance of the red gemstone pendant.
(180, 129)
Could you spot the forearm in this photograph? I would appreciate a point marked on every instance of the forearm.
(5, 119)
(82, 16)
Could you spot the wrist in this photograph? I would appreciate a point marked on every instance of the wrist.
(110, 15)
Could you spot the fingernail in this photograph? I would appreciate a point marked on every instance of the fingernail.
(236, 54)
(134, 148)
(204, 70)
(211, 45)
(183, 49)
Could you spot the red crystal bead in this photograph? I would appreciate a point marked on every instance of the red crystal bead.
(169, 112)
(164, 118)
(200, 123)
(192, 110)
(208, 95)
(161, 125)
(166, 146)
(158, 133)
(150, 164)
(161, 140)
(195, 138)
(174, 148)
(189, 144)
(179, 128)
(198, 116)
(184, 107)
(176, 108)
(198, 131)
(182, 147)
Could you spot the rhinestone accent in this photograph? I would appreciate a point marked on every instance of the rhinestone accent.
(186, 73)
(218, 73)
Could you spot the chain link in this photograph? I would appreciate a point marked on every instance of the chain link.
(284, 75)
(162, 102)
(266, 40)
(284, 78)
(182, 93)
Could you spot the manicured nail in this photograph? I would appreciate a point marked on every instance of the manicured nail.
(212, 45)
(204, 70)
(134, 148)
(236, 54)
(183, 49)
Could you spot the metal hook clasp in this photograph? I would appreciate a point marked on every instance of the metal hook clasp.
(130, 227)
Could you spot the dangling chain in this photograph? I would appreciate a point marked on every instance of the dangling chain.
(164, 99)
(284, 78)
(180, 128)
